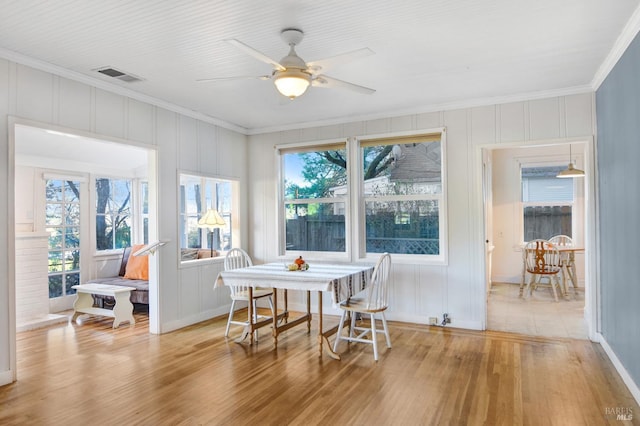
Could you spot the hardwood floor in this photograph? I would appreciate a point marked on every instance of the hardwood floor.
(91, 374)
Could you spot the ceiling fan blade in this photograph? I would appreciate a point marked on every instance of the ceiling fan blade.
(339, 59)
(241, 77)
(330, 82)
(256, 54)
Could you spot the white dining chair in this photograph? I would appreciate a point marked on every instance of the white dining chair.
(238, 258)
(567, 258)
(373, 300)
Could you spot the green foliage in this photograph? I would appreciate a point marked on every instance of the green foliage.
(325, 170)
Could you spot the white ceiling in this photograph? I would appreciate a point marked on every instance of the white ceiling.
(429, 54)
(51, 149)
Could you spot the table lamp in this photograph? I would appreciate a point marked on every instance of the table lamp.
(212, 220)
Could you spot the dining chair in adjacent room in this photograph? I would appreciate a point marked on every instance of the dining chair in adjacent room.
(238, 258)
(567, 258)
(372, 301)
(542, 260)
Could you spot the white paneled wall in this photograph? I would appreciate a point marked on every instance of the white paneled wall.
(29, 96)
(421, 291)
(32, 291)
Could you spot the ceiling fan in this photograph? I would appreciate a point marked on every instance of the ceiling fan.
(292, 75)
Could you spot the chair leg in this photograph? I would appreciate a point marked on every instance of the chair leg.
(572, 274)
(374, 337)
(255, 318)
(231, 311)
(386, 329)
(353, 323)
(339, 333)
(531, 285)
(523, 278)
(553, 281)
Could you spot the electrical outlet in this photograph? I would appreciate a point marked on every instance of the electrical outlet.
(433, 321)
(446, 319)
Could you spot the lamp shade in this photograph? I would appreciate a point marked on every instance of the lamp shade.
(570, 172)
(292, 82)
(211, 219)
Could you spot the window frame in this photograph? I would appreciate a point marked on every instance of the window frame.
(94, 212)
(442, 257)
(577, 205)
(234, 227)
(355, 238)
(281, 227)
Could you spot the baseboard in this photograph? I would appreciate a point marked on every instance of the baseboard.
(509, 279)
(395, 316)
(626, 378)
(193, 319)
(6, 377)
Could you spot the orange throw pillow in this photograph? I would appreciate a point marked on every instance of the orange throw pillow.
(137, 266)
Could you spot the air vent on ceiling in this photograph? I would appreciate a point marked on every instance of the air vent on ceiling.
(112, 72)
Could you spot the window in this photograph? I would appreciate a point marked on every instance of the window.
(113, 213)
(397, 185)
(63, 225)
(547, 202)
(315, 198)
(144, 210)
(402, 194)
(198, 194)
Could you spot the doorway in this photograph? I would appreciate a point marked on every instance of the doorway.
(54, 171)
(505, 221)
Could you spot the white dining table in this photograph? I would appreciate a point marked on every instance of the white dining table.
(341, 280)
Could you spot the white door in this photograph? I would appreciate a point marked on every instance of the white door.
(62, 222)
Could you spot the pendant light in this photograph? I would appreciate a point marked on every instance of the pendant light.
(570, 171)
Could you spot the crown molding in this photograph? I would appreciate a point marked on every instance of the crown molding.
(123, 91)
(621, 44)
(471, 103)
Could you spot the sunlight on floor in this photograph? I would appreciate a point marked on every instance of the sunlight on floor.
(536, 315)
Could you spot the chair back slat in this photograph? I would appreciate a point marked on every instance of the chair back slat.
(561, 241)
(378, 291)
(541, 257)
(237, 258)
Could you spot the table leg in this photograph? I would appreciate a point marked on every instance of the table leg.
(123, 309)
(83, 300)
(309, 310)
(286, 306)
(571, 268)
(323, 336)
(320, 336)
(274, 331)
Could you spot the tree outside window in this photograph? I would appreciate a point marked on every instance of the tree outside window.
(62, 221)
(314, 212)
(403, 197)
(113, 213)
(401, 190)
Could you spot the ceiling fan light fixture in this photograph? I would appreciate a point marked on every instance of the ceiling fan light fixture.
(292, 82)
